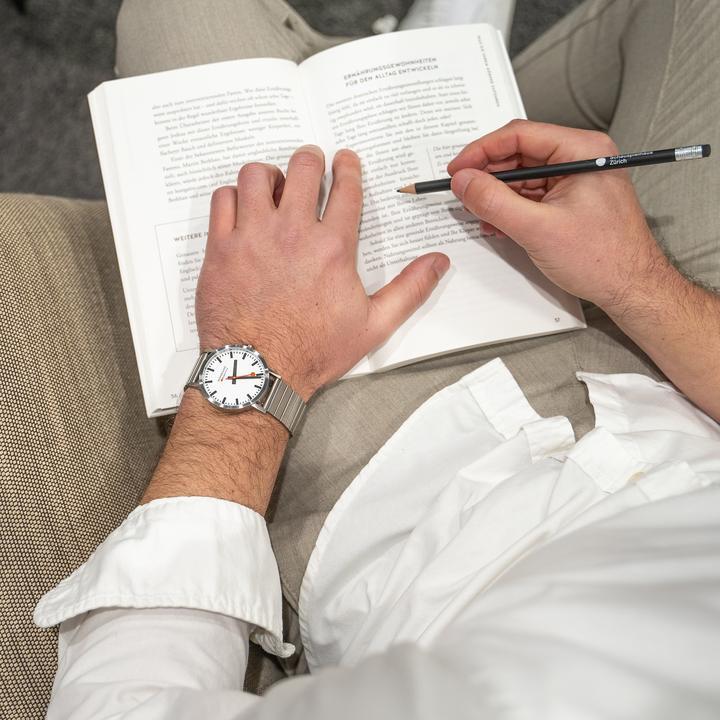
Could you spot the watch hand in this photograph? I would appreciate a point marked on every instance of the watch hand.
(251, 376)
(234, 370)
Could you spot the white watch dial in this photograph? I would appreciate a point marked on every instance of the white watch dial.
(234, 377)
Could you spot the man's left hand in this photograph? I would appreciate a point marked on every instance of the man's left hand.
(277, 277)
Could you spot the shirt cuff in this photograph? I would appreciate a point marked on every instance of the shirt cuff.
(190, 552)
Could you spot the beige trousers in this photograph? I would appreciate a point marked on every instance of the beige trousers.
(649, 72)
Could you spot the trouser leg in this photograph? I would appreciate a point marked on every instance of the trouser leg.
(648, 72)
(168, 34)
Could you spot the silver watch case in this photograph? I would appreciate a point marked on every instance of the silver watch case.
(209, 354)
(275, 398)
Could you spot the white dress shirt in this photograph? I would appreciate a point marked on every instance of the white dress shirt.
(483, 564)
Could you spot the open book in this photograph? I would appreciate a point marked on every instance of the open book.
(406, 102)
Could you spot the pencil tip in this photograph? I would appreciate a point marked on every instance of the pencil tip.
(410, 189)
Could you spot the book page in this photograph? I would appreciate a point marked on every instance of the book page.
(166, 141)
(407, 103)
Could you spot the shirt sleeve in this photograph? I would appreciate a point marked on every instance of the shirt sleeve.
(169, 664)
(185, 552)
(156, 625)
(165, 606)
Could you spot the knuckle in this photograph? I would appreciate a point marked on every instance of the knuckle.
(335, 250)
(604, 142)
(308, 159)
(417, 292)
(349, 188)
(220, 199)
(294, 233)
(517, 123)
(491, 201)
(484, 201)
(346, 158)
(251, 170)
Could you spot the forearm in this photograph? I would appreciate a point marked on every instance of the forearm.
(677, 323)
(229, 456)
(181, 575)
(155, 662)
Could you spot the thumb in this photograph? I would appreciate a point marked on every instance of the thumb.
(497, 203)
(394, 303)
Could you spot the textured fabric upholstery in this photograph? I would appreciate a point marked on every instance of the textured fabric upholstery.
(76, 450)
(75, 446)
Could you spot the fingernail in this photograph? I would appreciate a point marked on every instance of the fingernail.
(460, 180)
(440, 266)
(311, 148)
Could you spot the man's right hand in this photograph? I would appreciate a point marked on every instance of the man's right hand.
(586, 232)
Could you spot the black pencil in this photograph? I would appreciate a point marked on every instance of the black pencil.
(611, 162)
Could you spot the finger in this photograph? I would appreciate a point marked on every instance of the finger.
(393, 304)
(517, 140)
(302, 185)
(535, 143)
(513, 162)
(257, 185)
(344, 204)
(509, 163)
(494, 202)
(535, 194)
(223, 211)
(536, 184)
(278, 191)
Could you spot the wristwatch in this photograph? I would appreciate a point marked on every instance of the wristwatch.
(235, 378)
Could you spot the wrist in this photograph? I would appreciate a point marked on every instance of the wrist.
(651, 301)
(293, 365)
(211, 453)
(642, 292)
(196, 416)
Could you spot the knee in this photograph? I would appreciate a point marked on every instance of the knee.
(135, 20)
(128, 20)
(128, 16)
